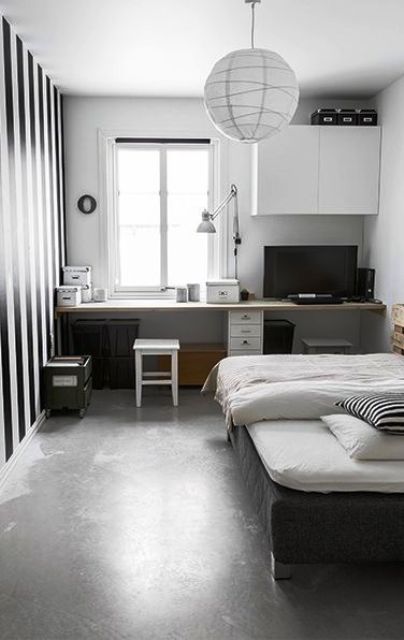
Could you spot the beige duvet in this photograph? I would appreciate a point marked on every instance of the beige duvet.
(275, 387)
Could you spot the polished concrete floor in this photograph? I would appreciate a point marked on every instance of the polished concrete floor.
(134, 524)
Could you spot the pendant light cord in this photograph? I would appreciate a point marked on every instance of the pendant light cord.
(252, 24)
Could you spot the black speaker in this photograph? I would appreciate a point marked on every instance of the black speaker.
(365, 284)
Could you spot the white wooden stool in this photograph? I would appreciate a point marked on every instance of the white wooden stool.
(156, 348)
(326, 345)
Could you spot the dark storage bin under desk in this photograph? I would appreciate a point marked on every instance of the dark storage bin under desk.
(120, 362)
(121, 336)
(121, 372)
(110, 343)
(89, 336)
(278, 336)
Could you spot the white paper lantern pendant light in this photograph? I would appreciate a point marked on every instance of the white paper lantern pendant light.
(251, 94)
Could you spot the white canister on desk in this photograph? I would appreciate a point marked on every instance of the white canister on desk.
(86, 293)
(181, 294)
(100, 294)
(194, 292)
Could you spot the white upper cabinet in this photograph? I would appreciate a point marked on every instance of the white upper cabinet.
(317, 170)
(349, 170)
(286, 172)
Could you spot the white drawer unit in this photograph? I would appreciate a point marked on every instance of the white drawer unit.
(245, 332)
(245, 343)
(244, 353)
(245, 317)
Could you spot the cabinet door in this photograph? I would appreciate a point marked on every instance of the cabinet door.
(349, 170)
(285, 172)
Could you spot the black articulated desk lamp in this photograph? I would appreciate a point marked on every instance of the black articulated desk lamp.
(207, 226)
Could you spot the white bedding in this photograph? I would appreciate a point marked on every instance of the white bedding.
(362, 441)
(305, 455)
(275, 387)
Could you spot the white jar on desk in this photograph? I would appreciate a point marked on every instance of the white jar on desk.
(100, 294)
(194, 292)
(181, 294)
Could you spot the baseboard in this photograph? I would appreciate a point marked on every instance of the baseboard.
(6, 470)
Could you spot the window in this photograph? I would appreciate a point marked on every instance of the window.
(160, 191)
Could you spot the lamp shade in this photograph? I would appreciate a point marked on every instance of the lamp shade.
(251, 94)
(206, 226)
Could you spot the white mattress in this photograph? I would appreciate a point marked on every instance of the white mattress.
(304, 455)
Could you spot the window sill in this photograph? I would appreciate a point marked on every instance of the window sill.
(141, 295)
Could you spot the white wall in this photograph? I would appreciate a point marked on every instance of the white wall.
(83, 118)
(165, 117)
(384, 234)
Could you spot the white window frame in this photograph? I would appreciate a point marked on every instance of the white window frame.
(109, 211)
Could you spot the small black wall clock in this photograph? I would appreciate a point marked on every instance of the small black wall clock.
(87, 204)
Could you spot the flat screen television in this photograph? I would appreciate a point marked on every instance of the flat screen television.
(310, 269)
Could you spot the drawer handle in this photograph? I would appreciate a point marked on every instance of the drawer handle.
(246, 317)
(245, 342)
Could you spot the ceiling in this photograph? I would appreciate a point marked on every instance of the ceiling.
(346, 48)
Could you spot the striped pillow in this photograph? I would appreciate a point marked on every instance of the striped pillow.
(384, 411)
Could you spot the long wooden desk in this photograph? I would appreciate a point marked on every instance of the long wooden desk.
(125, 306)
(245, 320)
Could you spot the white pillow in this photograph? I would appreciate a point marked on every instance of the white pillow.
(363, 442)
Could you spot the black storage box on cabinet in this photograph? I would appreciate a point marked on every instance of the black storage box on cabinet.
(367, 118)
(325, 117)
(347, 117)
(278, 336)
(67, 383)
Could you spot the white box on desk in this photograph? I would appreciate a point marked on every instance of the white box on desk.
(225, 290)
(68, 296)
(77, 275)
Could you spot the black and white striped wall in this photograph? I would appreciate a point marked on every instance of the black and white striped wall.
(31, 232)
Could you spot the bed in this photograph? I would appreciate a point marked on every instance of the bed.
(362, 520)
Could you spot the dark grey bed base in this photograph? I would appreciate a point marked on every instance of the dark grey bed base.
(320, 528)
